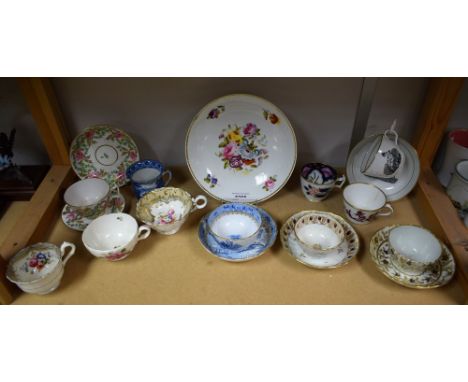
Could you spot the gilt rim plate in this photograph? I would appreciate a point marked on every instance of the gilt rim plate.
(437, 275)
(103, 151)
(241, 148)
(337, 259)
(394, 188)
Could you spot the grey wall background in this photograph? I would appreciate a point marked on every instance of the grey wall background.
(158, 111)
(14, 113)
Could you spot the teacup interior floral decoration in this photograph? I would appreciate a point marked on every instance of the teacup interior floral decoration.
(318, 173)
(34, 262)
(164, 205)
(168, 212)
(242, 148)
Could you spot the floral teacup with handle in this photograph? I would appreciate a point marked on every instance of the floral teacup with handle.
(39, 268)
(318, 180)
(363, 202)
(166, 209)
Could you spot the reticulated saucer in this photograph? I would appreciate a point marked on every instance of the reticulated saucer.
(436, 275)
(337, 258)
(72, 219)
(256, 250)
(241, 148)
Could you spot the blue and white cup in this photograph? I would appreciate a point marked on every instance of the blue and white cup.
(318, 180)
(236, 227)
(147, 175)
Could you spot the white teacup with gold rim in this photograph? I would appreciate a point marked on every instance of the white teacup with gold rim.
(166, 209)
(89, 197)
(363, 202)
(414, 248)
(318, 234)
(39, 268)
(113, 236)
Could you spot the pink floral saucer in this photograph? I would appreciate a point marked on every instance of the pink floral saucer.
(72, 219)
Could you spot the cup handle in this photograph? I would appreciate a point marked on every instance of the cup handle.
(392, 131)
(168, 175)
(63, 250)
(199, 206)
(340, 181)
(143, 232)
(389, 212)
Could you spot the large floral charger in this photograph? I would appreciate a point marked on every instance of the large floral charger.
(241, 148)
(103, 151)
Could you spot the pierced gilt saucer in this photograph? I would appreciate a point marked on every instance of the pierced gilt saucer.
(341, 256)
(268, 225)
(77, 222)
(435, 276)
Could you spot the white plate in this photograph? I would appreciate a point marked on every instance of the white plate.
(241, 148)
(406, 180)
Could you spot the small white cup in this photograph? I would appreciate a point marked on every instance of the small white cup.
(89, 197)
(363, 202)
(413, 248)
(384, 159)
(113, 236)
(457, 189)
(39, 268)
(318, 234)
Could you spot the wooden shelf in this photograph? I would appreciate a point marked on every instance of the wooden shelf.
(177, 270)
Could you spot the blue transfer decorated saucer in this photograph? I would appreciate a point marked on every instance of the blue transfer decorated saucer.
(266, 239)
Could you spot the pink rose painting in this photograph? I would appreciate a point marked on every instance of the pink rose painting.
(242, 148)
(269, 183)
(229, 150)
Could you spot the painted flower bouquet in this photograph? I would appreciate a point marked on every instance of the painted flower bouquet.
(242, 148)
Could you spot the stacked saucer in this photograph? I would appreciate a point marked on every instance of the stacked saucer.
(412, 256)
(319, 239)
(237, 232)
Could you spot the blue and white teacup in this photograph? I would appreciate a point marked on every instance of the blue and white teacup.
(318, 180)
(147, 175)
(236, 226)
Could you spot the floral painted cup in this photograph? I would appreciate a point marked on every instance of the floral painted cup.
(39, 268)
(318, 180)
(147, 175)
(235, 226)
(113, 236)
(88, 197)
(166, 209)
(363, 202)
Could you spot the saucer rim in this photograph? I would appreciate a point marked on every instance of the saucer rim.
(272, 240)
(374, 248)
(105, 213)
(340, 219)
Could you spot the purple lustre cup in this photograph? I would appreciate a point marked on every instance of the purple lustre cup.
(318, 180)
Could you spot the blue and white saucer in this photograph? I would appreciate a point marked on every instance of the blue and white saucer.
(254, 251)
